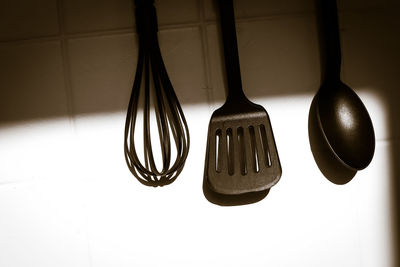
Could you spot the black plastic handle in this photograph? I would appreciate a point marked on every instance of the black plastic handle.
(231, 54)
(329, 30)
(146, 18)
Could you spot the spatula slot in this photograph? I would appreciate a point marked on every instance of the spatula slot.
(242, 151)
(218, 156)
(254, 150)
(230, 150)
(264, 144)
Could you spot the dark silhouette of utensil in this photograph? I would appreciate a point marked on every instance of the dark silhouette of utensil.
(339, 123)
(241, 153)
(155, 84)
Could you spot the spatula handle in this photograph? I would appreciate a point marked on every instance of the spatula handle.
(231, 54)
(330, 38)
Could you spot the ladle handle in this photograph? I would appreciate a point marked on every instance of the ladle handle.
(329, 31)
(231, 54)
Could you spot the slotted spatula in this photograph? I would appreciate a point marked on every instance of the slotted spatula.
(241, 153)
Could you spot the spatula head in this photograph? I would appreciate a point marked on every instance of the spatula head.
(241, 152)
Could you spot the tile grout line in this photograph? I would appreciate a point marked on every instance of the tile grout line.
(66, 64)
(206, 54)
(122, 31)
(69, 94)
(37, 39)
(94, 33)
(89, 34)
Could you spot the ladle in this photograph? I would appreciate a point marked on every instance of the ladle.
(339, 123)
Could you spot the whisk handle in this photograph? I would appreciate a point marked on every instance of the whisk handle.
(146, 17)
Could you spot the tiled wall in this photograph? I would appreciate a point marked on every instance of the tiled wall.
(67, 197)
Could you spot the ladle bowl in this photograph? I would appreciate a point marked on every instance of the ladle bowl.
(344, 124)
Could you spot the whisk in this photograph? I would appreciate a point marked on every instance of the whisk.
(167, 110)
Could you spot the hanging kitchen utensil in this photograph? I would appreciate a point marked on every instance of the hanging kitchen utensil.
(241, 154)
(152, 80)
(340, 129)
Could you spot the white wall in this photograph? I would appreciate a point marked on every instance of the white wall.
(67, 197)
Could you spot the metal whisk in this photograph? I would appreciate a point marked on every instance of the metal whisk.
(168, 112)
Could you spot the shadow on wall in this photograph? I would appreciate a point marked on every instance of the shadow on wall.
(82, 74)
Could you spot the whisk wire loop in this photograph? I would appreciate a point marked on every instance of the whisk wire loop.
(158, 93)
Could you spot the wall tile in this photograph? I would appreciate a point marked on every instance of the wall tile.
(369, 54)
(97, 15)
(31, 81)
(184, 60)
(28, 19)
(371, 60)
(277, 57)
(103, 69)
(259, 8)
(42, 224)
(34, 129)
(377, 231)
(177, 11)
(372, 5)
(86, 16)
(36, 150)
